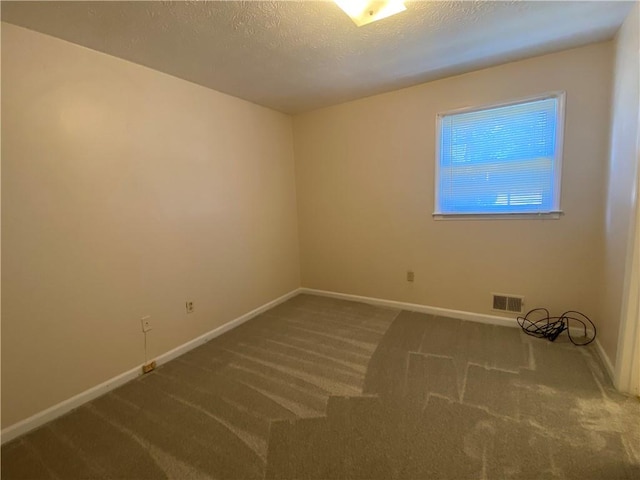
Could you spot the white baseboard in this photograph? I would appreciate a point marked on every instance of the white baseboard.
(216, 332)
(445, 312)
(51, 413)
(605, 359)
(76, 401)
(415, 307)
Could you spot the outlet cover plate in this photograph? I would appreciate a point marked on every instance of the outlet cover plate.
(146, 323)
(189, 306)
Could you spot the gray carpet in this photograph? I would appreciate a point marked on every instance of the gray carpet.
(329, 389)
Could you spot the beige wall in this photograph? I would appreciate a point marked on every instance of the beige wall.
(622, 174)
(365, 169)
(126, 192)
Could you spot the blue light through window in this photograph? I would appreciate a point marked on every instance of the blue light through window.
(500, 159)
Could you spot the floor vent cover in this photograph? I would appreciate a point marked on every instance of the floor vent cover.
(508, 303)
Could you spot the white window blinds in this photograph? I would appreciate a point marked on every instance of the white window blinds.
(500, 160)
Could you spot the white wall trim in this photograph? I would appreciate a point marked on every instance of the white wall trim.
(51, 413)
(605, 359)
(216, 332)
(20, 428)
(415, 307)
(446, 312)
(627, 366)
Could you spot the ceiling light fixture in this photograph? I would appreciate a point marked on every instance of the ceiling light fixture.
(363, 12)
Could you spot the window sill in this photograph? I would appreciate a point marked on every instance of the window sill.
(498, 216)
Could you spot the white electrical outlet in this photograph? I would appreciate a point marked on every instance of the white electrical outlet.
(189, 307)
(146, 323)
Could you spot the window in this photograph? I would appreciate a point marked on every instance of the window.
(503, 160)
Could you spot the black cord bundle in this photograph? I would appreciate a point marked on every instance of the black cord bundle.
(551, 327)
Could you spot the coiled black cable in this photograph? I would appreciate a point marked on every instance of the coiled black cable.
(539, 323)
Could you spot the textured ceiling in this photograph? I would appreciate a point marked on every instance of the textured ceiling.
(295, 56)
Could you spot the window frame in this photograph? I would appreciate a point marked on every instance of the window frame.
(560, 96)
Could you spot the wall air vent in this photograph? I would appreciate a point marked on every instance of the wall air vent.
(507, 303)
